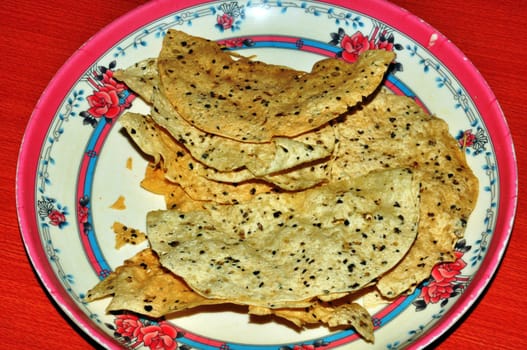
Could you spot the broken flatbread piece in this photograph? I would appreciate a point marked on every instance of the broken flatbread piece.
(142, 285)
(341, 313)
(119, 203)
(127, 235)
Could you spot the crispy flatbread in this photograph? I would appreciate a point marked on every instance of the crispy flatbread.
(181, 168)
(204, 183)
(142, 285)
(251, 101)
(220, 153)
(280, 248)
(342, 313)
(223, 154)
(392, 132)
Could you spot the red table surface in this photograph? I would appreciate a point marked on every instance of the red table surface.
(38, 36)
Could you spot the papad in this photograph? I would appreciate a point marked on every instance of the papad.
(342, 313)
(251, 101)
(181, 168)
(204, 183)
(142, 285)
(217, 152)
(392, 132)
(281, 248)
(225, 155)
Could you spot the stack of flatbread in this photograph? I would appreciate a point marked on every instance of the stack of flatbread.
(289, 192)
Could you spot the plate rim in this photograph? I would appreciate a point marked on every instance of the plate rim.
(441, 47)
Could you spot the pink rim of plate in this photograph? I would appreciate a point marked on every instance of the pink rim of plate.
(402, 20)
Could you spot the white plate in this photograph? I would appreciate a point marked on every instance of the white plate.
(72, 165)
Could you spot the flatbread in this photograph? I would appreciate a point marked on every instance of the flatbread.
(251, 101)
(220, 153)
(127, 235)
(281, 248)
(142, 285)
(181, 168)
(227, 155)
(392, 132)
(342, 313)
(377, 190)
(175, 196)
(204, 183)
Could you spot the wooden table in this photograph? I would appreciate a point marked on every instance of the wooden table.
(38, 37)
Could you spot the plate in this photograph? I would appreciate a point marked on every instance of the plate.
(72, 165)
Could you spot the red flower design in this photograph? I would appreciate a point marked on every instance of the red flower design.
(108, 79)
(83, 214)
(435, 292)
(236, 42)
(385, 45)
(468, 139)
(56, 217)
(304, 347)
(444, 275)
(158, 337)
(354, 45)
(110, 99)
(105, 102)
(128, 326)
(447, 272)
(225, 21)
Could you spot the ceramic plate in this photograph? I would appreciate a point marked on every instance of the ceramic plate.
(72, 165)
